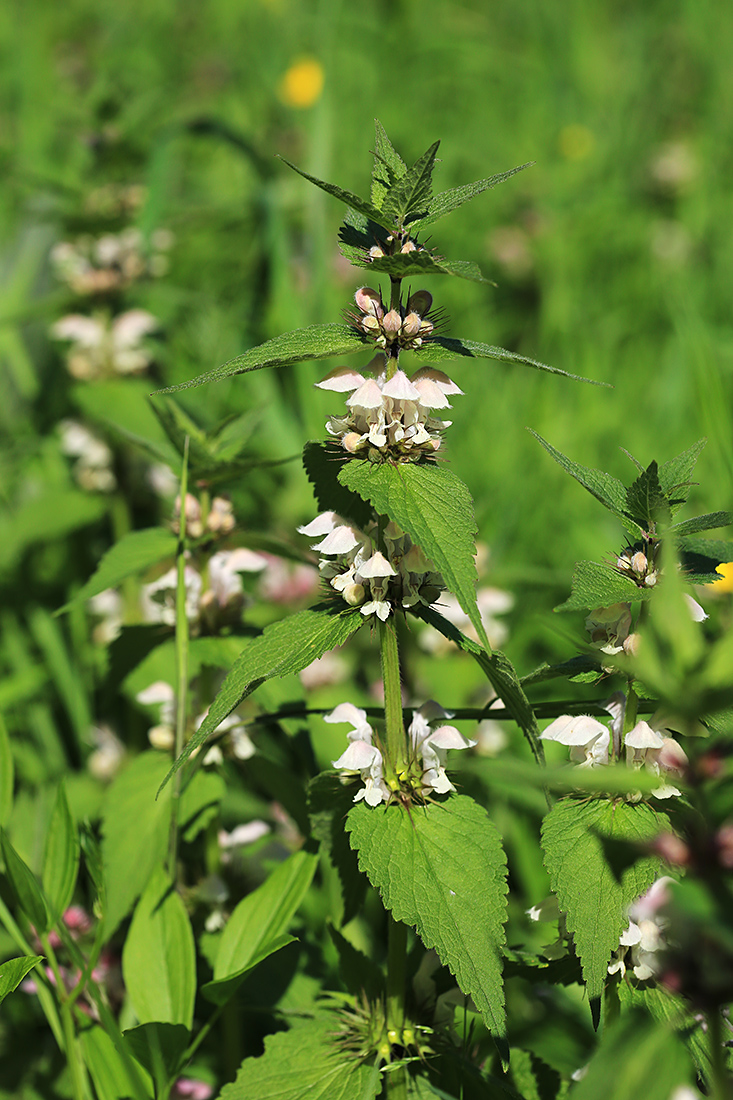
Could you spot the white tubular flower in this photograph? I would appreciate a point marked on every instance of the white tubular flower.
(160, 694)
(361, 757)
(433, 744)
(367, 578)
(662, 756)
(392, 418)
(159, 598)
(587, 738)
(225, 581)
(640, 944)
(102, 346)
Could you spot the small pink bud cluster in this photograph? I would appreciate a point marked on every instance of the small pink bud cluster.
(390, 419)
(100, 265)
(220, 520)
(391, 247)
(405, 326)
(366, 578)
(636, 565)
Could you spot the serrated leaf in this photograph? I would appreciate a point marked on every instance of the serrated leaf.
(13, 971)
(388, 165)
(436, 510)
(439, 348)
(674, 475)
(25, 887)
(322, 462)
(709, 522)
(595, 585)
(135, 822)
(134, 553)
(403, 264)
(159, 957)
(604, 487)
(283, 647)
(671, 1009)
(637, 1057)
(348, 197)
(500, 673)
(447, 201)
(314, 342)
(646, 503)
(407, 199)
(61, 857)
(6, 775)
(589, 895)
(304, 1062)
(441, 868)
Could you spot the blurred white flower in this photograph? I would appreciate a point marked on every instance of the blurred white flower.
(158, 599)
(94, 459)
(101, 347)
(106, 606)
(491, 602)
(108, 754)
(160, 694)
(644, 938)
(111, 262)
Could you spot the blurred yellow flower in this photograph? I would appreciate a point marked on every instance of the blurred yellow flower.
(302, 84)
(725, 583)
(576, 142)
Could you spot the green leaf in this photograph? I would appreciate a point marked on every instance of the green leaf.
(593, 901)
(24, 885)
(314, 342)
(347, 197)
(111, 1067)
(123, 406)
(439, 348)
(436, 510)
(159, 957)
(709, 522)
(447, 201)
(388, 165)
(283, 647)
(61, 857)
(674, 475)
(604, 487)
(52, 515)
(160, 1049)
(441, 868)
(356, 971)
(214, 455)
(322, 462)
(596, 585)
(134, 553)
(6, 775)
(646, 503)
(637, 1057)
(135, 826)
(304, 1062)
(222, 990)
(13, 971)
(407, 199)
(404, 264)
(258, 924)
(500, 673)
(329, 801)
(199, 803)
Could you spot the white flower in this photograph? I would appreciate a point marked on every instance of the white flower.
(94, 459)
(224, 573)
(490, 601)
(160, 694)
(393, 416)
(432, 745)
(102, 346)
(640, 943)
(662, 756)
(361, 757)
(158, 599)
(588, 738)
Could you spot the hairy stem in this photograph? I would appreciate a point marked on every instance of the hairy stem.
(395, 732)
(396, 980)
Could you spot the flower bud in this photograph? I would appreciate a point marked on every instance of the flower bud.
(639, 563)
(409, 246)
(375, 252)
(420, 302)
(369, 301)
(392, 321)
(162, 738)
(354, 594)
(411, 324)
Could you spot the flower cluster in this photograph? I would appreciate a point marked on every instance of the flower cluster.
(222, 598)
(390, 418)
(429, 747)
(93, 469)
(590, 744)
(365, 577)
(406, 327)
(640, 944)
(101, 347)
(100, 265)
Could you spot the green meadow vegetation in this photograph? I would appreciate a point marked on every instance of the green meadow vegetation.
(181, 908)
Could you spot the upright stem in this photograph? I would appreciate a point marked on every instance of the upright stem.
(181, 666)
(396, 979)
(395, 734)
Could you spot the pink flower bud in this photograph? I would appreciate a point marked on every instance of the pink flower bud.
(392, 321)
(369, 301)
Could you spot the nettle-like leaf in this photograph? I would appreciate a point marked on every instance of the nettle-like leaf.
(596, 585)
(374, 213)
(134, 553)
(13, 971)
(646, 502)
(322, 463)
(439, 348)
(135, 826)
(388, 167)
(500, 673)
(448, 201)
(304, 1062)
(159, 956)
(589, 894)
(701, 557)
(329, 801)
(604, 487)
(283, 647)
(711, 521)
(675, 474)
(435, 508)
(441, 868)
(408, 197)
(314, 342)
(404, 264)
